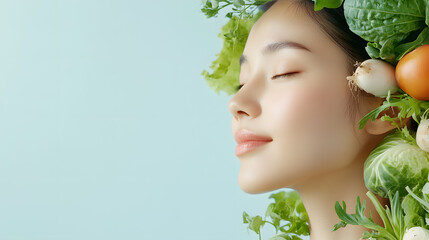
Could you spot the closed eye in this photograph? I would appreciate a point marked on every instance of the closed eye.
(290, 74)
(285, 75)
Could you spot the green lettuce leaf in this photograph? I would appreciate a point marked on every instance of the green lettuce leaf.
(226, 68)
(414, 212)
(391, 27)
(320, 4)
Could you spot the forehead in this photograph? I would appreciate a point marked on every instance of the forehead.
(287, 21)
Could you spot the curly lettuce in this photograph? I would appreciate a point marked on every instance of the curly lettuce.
(226, 68)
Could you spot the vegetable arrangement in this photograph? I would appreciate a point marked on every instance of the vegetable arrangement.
(397, 32)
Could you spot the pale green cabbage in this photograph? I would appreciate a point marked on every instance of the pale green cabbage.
(395, 163)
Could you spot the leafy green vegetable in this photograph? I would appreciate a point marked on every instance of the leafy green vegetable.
(414, 212)
(287, 214)
(393, 220)
(226, 68)
(395, 163)
(422, 39)
(240, 8)
(422, 198)
(320, 4)
(407, 106)
(392, 27)
(425, 201)
(254, 223)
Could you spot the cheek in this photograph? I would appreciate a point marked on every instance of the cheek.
(307, 109)
(309, 124)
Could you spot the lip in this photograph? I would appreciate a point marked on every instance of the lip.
(248, 141)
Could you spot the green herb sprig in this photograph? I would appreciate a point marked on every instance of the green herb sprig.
(240, 8)
(393, 220)
(287, 215)
(407, 106)
(245, 8)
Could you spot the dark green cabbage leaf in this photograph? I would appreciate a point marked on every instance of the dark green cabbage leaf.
(391, 27)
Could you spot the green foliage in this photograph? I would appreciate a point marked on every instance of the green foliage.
(407, 106)
(320, 4)
(394, 227)
(287, 215)
(226, 68)
(392, 27)
(423, 201)
(254, 223)
(403, 214)
(240, 8)
(395, 163)
(414, 212)
(420, 198)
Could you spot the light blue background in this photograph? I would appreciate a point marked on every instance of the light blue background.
(107, 128)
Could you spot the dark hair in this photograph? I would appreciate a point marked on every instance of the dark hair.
(333, 23)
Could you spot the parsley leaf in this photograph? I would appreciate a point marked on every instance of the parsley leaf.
(286, 214)
(407, 106)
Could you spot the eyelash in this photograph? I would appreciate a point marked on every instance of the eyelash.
(290, 74)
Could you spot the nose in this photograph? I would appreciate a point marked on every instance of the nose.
(244, 104)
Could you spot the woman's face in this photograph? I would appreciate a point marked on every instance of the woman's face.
(304, 112)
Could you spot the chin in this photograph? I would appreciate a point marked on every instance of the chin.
(255, 185)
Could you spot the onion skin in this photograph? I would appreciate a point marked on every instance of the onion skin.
(422, 135)
(416, 233)
(376, 77)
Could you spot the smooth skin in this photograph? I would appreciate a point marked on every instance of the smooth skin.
(298, 98)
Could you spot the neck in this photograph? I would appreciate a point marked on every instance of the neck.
(319, 197)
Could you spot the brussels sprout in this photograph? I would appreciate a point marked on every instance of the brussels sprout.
(395, 163)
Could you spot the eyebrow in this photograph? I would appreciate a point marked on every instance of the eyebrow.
(273, 47)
